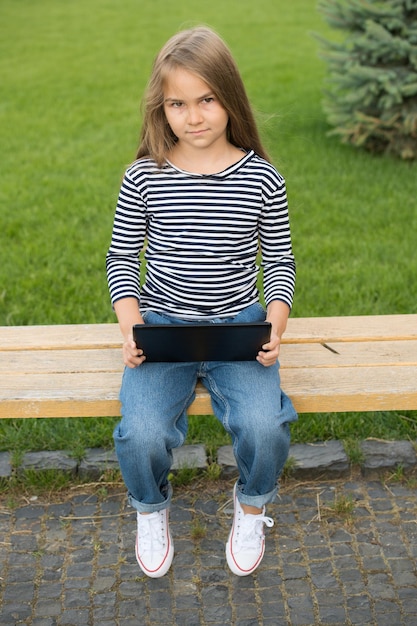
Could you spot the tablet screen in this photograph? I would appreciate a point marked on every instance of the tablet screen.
(201, 341)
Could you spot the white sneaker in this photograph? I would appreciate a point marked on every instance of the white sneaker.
(154, 547)
(246, 544)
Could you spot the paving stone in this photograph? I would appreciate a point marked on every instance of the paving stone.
(74, 618)
(187, 619)
(301, 610)
(332, 615)
(322, 575)
(15, 612)
(44, 621)
(48, 608)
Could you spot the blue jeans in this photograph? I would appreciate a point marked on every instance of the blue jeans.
(246, 398)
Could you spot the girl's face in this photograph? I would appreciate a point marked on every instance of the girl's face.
(193, 112)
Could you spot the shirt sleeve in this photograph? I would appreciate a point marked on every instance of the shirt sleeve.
(275, 241)
(128, 236)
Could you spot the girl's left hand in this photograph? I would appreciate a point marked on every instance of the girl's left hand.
(270, 351)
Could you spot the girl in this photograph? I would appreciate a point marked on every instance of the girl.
(203, 193)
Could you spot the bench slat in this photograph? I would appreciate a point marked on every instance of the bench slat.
(351, 328)
(60, 337)
(59, 361)
(349, 389)
(308, 329)
(292, 356)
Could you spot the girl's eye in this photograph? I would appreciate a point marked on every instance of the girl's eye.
(176, 105)
(208, 100)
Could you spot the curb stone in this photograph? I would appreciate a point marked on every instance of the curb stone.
(315, 459)
(97, 461)
(385, 455)
(306, 460)
(53, 460)
(5, 464)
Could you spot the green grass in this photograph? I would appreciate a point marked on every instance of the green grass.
(72, 75)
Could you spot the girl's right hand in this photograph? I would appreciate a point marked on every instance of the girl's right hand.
(128, 314)
(132, 356)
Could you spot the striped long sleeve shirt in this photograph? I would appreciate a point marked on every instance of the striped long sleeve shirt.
(203, 233)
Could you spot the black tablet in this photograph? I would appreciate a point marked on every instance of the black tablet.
(201, 341)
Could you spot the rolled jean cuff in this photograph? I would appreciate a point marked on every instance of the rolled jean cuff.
(257, 501)
(143, 507)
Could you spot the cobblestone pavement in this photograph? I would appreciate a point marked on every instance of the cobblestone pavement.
(341, 552)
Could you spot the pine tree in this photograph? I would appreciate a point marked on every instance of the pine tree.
(371, 99)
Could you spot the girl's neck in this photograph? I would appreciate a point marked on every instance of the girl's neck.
(205, 161)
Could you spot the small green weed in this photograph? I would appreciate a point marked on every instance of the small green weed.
(289, 467)
(183, 476)
(398, 475)
(343, 505)
(198, 531)
(47, 480)
(38, 482)
(353, 451)
(213, 472)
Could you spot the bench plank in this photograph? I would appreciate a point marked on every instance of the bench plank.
(351, 328)
(292, 355)
(299, 330)
(93, 395)
(15, 363)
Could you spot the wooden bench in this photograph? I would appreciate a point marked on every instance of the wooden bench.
(327, 365)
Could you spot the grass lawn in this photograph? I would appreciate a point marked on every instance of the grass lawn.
(72, 75)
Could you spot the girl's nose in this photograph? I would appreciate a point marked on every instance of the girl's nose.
(194, 115)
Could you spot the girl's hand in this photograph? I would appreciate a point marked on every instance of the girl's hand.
(128, 314)
(270, 351)
(132, 356)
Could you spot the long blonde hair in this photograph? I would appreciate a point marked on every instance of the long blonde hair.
(202, 52)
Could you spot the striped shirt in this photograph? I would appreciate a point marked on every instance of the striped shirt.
(203, 233)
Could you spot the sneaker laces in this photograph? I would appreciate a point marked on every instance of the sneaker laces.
(249, 530)
(151, 531)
